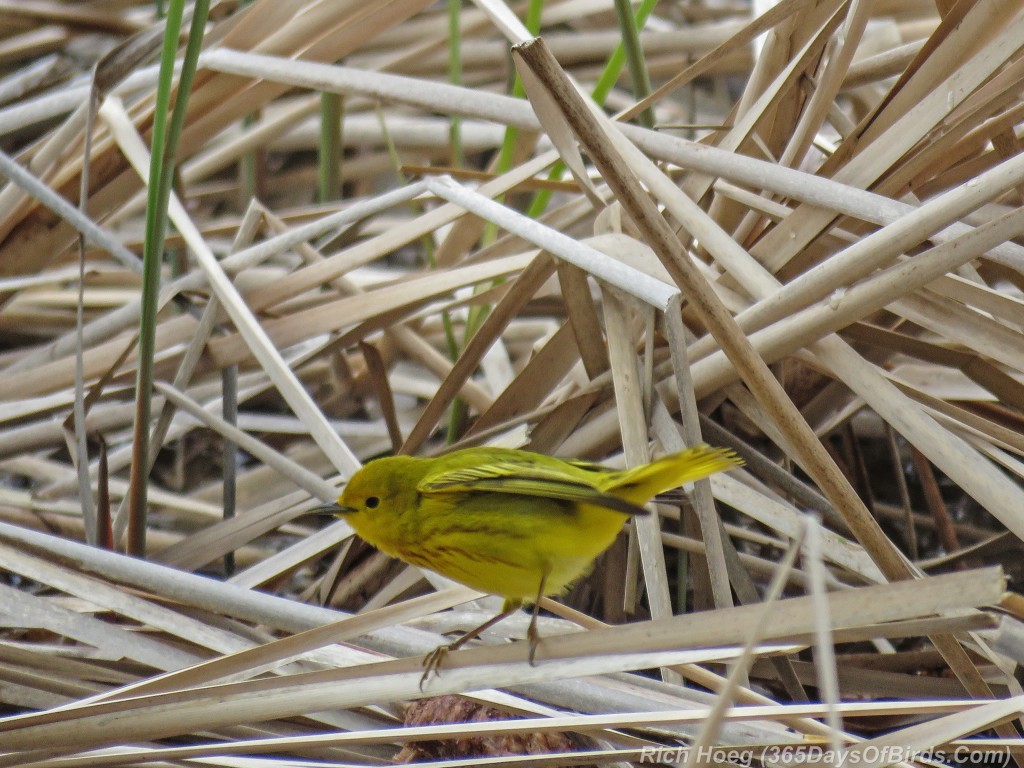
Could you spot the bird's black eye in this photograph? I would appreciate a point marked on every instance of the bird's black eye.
(372, 502)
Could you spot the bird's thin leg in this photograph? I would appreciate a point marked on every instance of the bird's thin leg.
(435, 657)
(474, 633)
(532, 633)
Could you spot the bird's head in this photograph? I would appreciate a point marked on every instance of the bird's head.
(375, 498)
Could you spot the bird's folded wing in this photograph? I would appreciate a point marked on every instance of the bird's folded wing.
(523, 479)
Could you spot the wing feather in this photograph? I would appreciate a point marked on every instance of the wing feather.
(523, 479)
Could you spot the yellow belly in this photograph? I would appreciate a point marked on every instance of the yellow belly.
(483, 548)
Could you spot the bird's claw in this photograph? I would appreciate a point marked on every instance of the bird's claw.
(432, 662)
(533, 637)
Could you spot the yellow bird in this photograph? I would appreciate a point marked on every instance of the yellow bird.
(506, 521)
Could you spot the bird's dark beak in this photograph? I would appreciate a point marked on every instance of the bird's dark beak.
(331, 510)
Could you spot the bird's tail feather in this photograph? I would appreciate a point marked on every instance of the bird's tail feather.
(641, 484)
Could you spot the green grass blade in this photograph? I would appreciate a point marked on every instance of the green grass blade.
(635, 58)
(166, 133)
(330, 151)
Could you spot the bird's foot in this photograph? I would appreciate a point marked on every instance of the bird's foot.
(533, 638)
(432, 662)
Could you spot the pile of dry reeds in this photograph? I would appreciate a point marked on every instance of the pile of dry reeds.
(798, 239)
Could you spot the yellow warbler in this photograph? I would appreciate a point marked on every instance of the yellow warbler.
(509, 522)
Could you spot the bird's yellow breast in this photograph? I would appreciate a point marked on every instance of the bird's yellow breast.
(488, 545)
